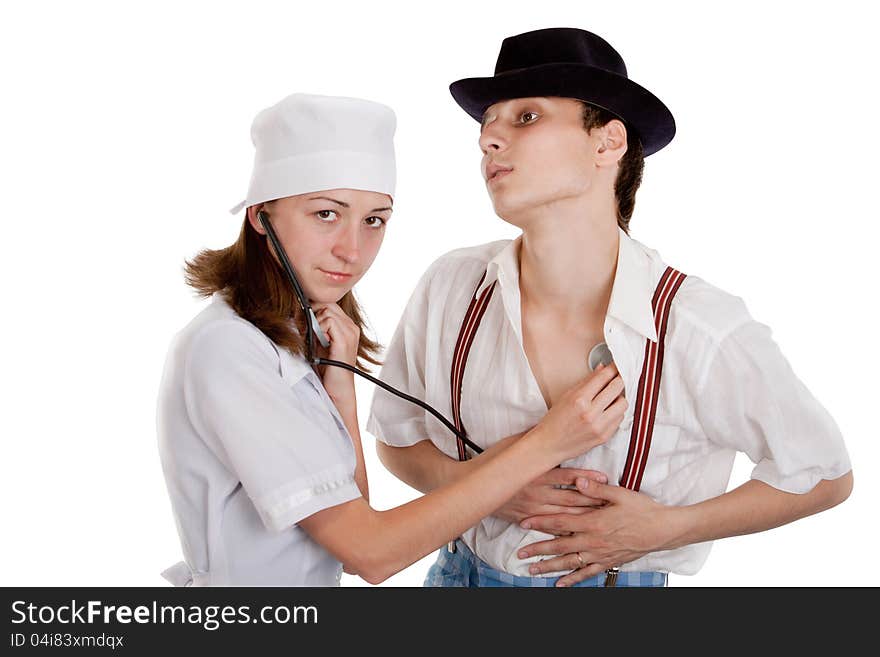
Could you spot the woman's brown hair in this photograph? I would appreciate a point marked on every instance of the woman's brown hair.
(254, 284)
(630, 167)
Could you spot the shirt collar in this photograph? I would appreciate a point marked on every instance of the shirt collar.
(291, 367)
(504, 267)
(633, 288)
(631, 292)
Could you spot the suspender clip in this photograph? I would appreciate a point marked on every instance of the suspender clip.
(611, 577)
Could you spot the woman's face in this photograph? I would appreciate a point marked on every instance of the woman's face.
(331, 237)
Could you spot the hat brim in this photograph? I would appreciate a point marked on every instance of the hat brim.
(637, 107)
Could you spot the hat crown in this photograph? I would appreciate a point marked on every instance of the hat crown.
(308, 123)
(558, 45)
(306, 143)
(568, 62)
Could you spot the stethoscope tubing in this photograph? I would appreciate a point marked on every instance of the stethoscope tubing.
(307, 309)
(403, 395)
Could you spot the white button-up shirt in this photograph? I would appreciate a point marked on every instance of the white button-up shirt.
(250, 444)
(725, 387)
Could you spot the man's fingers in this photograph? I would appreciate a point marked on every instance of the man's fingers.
(553, 546)
(552, 509)
(590, 488)
(559, 524)
(568, 476)
(555, 564)
(571, 498)
(580, 575)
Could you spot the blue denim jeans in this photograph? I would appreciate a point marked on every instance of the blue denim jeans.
(464, 568)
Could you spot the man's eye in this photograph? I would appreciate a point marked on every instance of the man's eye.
(527, 117)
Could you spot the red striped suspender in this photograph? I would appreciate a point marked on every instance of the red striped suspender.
(649, 383)
(469, 326)
(648, 391)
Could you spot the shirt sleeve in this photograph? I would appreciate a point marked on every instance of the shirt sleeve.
(393, 420)
(751, 401)
(286, 449)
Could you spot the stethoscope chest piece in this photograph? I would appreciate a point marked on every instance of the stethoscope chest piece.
(599, 354)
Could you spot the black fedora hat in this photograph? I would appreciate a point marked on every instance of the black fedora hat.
(571, 63)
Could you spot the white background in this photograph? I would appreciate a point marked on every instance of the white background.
(125, 139)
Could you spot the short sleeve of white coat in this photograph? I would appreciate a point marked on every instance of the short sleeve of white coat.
(392, 420)
(287, 451)
(752, 401)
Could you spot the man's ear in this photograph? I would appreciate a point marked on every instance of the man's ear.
(254, 219)
(612, 144)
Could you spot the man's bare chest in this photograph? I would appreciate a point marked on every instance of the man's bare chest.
(558, 358)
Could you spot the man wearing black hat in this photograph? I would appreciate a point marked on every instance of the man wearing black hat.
(499, 332)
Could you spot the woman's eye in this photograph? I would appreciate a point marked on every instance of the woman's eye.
(527, 117)
(326, 215)
(375, 222)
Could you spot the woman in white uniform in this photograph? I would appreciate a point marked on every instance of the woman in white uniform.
(261, 452)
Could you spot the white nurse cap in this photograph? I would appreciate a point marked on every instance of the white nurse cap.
(307, 143)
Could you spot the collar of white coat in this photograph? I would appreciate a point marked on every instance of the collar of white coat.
(291, 367)
(631, 292)
(294, 367)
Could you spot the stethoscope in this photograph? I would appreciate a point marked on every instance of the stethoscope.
(598, 354)
(313, 330)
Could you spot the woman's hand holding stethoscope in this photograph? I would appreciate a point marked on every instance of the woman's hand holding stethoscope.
(589, 412)
(555, 492)
(344, 336)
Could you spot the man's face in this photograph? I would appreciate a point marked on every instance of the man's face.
(535, 152)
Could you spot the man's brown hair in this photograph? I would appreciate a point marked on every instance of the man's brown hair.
(254, 284)
(630, 167)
